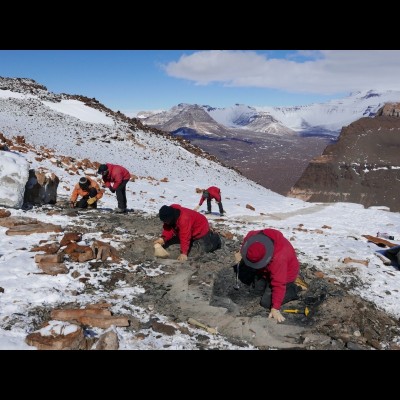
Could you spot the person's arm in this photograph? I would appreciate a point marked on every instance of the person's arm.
(75, 194)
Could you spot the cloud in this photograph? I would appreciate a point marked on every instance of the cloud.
(323, 72)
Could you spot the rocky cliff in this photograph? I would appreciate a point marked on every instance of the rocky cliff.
(363, 166)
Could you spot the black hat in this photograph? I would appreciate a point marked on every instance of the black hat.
(83, 182)
(168, 214)
(102, 169)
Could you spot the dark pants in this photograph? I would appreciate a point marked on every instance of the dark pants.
(82, 203)
(263, 285)
(206, 244)
(221, 209)
(121, 194)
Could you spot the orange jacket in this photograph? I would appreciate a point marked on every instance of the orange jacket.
(215, 193)
(190, 225)
(78, 191)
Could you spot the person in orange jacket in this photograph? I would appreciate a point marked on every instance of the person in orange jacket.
(90, 191)
(272, 259)
(186, 227)
(211, 193)
(115, 177)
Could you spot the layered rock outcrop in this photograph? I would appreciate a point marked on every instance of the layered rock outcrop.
(363, 166)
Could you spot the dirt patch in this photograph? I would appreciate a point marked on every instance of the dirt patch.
(204, 288)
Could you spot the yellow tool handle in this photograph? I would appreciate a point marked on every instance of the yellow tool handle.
(291, 311)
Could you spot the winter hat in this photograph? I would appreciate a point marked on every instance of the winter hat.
(168, 214)
(102, 169)
(83, 182)
(257, 251)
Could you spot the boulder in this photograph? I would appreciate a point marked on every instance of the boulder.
(41, 188)
(14, 172)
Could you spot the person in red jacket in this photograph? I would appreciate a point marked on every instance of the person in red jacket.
(115, 177)
(211, 193)
(186, 227)
(90, 192)
(273, 259)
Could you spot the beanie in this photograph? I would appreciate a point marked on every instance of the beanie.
(166, 214)
(102, 168)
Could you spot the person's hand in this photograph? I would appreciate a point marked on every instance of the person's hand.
(182, 257)
(159, 241)
(72, 204)
(238, 256)
(276, 314)
(112, 190)
(196, 208)
(91, 200)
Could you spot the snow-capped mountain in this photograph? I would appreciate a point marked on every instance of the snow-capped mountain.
(333, 115)
(314, 119)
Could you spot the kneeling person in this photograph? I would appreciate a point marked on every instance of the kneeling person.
(90, 192)
(186, 227)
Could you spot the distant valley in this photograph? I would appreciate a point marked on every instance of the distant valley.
(270, 145)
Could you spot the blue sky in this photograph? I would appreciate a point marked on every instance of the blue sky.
(134, 80)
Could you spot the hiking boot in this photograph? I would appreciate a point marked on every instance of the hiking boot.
(120, 210)
(207, 212)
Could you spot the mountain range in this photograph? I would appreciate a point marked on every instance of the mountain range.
(270, 145)
(314, 119)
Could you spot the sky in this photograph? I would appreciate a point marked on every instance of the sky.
(138, 80)
(325, 239)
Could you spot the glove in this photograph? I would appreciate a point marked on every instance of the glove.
(159, 241)
(72, 204)
(112, 190)
(276, 314)
(238, 256)
(91, 200)
(196, 208)
(182, 257)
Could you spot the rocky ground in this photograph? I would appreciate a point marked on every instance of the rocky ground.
(203, 288)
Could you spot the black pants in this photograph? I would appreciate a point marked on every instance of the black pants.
(82, 203)
(221, 209)
(121, 195)
(206, 244)
(263, 285)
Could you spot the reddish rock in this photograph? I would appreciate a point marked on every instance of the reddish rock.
(49, 258)
(250, 207)
(50, 248)
(107, 341)
(30, 229)
(4, 213)
(104, 322)
(70, 237)
(72, 341)
(53, 268)
(75, 314)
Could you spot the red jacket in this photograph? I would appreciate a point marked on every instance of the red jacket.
(116, 174)
(215, 193)
(190, 225)
(78, 191)
(283, 267)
